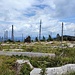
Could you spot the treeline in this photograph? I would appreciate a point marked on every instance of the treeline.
(43, 38)
(57, 38)
(28, 39)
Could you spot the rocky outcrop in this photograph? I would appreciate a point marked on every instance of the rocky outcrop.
(29, 54)
(56, 70)
(19, 64)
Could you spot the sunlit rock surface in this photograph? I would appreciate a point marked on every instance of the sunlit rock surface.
(24, 61)
(55, 70)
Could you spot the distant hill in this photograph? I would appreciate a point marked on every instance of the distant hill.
(66, 38)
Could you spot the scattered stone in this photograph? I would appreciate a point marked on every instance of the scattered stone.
(70, 45)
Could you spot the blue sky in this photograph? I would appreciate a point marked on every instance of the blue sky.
(25, 15)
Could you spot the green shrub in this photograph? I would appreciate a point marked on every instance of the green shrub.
(71, 73)
(25, 70)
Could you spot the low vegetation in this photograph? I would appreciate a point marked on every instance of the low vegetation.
(63, 56)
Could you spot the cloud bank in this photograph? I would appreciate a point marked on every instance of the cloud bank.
(25, 15)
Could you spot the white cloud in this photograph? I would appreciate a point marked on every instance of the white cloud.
(25, 15)
(64, 8)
